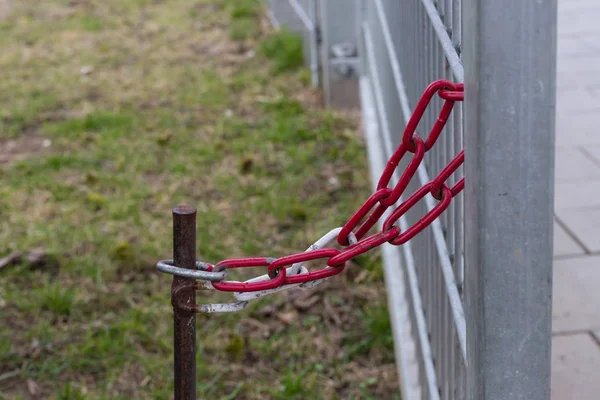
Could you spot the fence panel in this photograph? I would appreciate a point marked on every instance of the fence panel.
(407, 46)
(402, 47)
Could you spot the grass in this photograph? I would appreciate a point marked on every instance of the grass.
(285, 49)
(113, 112)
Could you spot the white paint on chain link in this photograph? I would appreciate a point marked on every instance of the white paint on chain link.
(295, 269)
(218, 307)
(222, 308)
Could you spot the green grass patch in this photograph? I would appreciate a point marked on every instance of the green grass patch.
(113, 123)
(245, 20)
(285, 50)
(26, 111)
(56, 298)
(92, 23)
(69, 392)
(165, 117)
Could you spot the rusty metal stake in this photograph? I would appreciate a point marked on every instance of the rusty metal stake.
(183, 293)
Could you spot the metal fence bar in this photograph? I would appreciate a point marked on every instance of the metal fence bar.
(395, 280)
(300, 17)
(509, 143)
(433, 281)
(440, 30)
(427, 374)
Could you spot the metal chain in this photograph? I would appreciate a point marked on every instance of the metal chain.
(288, 272)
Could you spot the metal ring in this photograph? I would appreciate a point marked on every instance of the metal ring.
(202, 272)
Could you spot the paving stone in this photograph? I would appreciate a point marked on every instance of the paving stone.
(568, 79)
(577, 129)
(576, 293)
(573, 165)
(594, 150)
(575, 367)
(576, 297)
(564, 244)
(575, 65)
(577, 195)
(569, 5)
(577, 100)
(580, 20)
(584, 224)
(575, 46)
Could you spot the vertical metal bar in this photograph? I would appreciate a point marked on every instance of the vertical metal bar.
(510, 71)
(450, 223)
(452, 357)
(420, 51)
(184, 256)
(440, 292)
(459, 205)
(314, 45)
(457, 25)
(410, 22)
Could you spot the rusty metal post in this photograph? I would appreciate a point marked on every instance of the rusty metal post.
(183, 293)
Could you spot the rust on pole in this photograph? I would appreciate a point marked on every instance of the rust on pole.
(183, 293)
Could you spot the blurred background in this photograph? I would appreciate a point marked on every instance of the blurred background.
(111, 113)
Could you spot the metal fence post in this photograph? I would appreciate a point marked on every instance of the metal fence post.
(183, 292)
(509, 59)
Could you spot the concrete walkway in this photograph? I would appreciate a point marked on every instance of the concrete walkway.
(576, 305)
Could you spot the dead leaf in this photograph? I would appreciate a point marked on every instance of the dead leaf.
(35, 348)
(32, 387)
(362, 275)
(288, 317)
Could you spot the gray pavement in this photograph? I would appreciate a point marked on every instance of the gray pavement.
(576, 303)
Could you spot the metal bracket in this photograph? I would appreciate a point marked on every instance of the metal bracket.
(344, 61)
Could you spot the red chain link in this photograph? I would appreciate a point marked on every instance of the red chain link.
(380, 201)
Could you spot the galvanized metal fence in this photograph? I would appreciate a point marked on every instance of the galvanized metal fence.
(300, 16)
(432, 263)
(476, 323)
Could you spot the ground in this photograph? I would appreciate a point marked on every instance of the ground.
(113, 112)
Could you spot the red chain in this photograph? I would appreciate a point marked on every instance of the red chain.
(380, 201)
